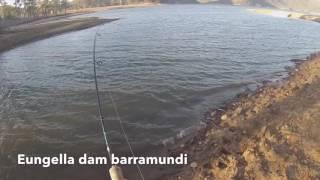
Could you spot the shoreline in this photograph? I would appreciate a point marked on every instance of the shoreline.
(268, 134)
(37, 29)
(286, 14)
(30, 32)
(105, 8)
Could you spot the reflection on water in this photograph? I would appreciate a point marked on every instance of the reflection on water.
(165, 66)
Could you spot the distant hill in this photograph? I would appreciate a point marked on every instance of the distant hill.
(302, 5)
(298, 5)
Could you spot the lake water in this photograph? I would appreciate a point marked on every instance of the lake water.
(165, 67)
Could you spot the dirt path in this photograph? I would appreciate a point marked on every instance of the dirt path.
(273, 133)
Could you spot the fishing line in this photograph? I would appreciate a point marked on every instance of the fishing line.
(114, 105)
(123, 132)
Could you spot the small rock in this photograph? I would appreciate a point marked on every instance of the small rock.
(224, 117)
(285, 126)
(193, 165)
(221, 165)
(221, 110)
(238, 110)
(292, 84)
(256, 109)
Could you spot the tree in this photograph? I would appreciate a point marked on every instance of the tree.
(2, 4)
(1, 15)
(44, 6)
(30, 8)
(64, 5)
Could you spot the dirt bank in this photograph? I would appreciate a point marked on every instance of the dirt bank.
(70, 12)
(311, 18)
(272, 133)
(105, 8)
(287, 14)
(31, 30)
(26, 33)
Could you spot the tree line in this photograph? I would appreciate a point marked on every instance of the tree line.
(32, 8)
(44, 8)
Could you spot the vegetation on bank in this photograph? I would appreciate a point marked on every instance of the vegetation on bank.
(35, 31)
(32, 8)
(35, 9)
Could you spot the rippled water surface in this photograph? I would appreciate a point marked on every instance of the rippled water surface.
(165, 66)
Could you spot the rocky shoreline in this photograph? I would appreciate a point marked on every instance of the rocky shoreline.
(272, 133)
(286, 14)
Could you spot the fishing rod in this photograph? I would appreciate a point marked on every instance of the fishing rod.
(101, 118)
(115, 172)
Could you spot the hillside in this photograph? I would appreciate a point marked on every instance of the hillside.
(298, 5)
(306, 5)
